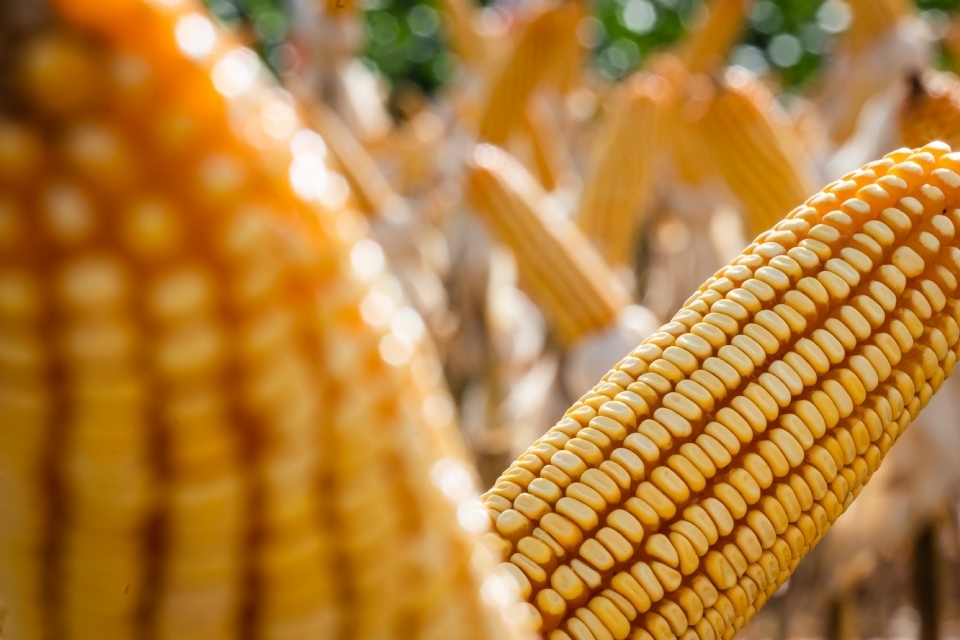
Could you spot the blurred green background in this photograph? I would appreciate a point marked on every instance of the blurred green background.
(405, 39)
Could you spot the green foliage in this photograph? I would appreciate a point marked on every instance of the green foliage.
(405, 43)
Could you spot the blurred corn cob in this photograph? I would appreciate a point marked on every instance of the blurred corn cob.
(551, 157)
(680, 493)
(624, 170)
(465, 41)
(753, 152)
(368, 186)
(717, 29)
(546, 52)
(217, 417)
(932, 110)
(557, 266)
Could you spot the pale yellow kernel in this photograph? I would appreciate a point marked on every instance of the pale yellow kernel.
(697, 540)
(615, 543)
(563, 530)
(627, 586)
(569, 462)
(578, 512)
(567, 583)
(622, 604)
(532, 570)
(596, 554)
(618, 472)
(68, 213)
(602, 484)
(586, 495)
(658, 627)
(552, 607)
(711, 333)
(517, 579)
(578, 631)
(93, 284)
(194, 349)
(610, 616)
(667, 481)
(545, 490)
(627, 525)
(184, 292)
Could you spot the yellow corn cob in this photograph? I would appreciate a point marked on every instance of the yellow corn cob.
(871, 20)
(546, 52)
(719, 26)
(461, 32)
(679, 494)
(754, 153)
(557, 266)
(680, 111)
(551, 158)
(624, 171)
(932, 110)
(217, 419)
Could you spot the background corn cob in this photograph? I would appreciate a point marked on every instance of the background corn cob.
(465, 40)
(623, 178)
(370, 189)
(932, 110)
(753, 152)
(690, 94)
(556, 264)
(217, 418)
(718, 29)
(546, 52)
(679, 494)
(551, 157)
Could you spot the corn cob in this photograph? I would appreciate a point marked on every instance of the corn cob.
(557, 266)
(932, 110)
(371, 190)
(623, 180)
(217, 419)
(679, 494)
(546, 52)
(718, 27)
(461, 32)
(754, 153)
(551, 157)
(680, 111)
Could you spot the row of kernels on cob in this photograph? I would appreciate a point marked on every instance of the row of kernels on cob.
(680, 493)
(556, 263)
(624, 173)
(194, 440)
(752, 152)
